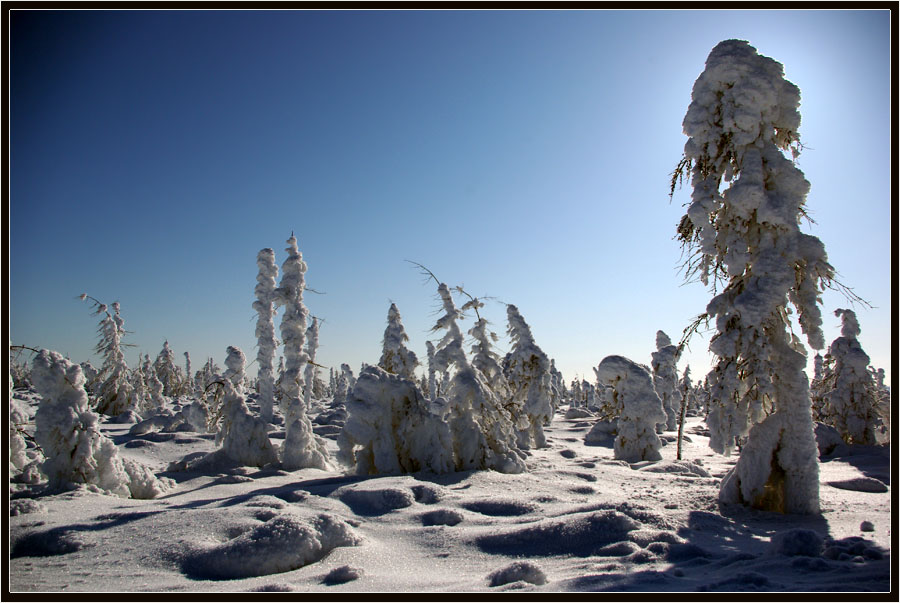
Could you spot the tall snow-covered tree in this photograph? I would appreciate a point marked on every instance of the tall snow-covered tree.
(641, 409)
(851, 396)
(742, 117)
(665, 378)
(265, 331)
(395, 356)
(527, 371)
(301, 448)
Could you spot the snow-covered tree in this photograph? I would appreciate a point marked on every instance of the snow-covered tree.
(433, 385)
(244, 438)
(69, 435)
(395, 356)
(235, 361)
(301, 448)
(483, 431)
(114, 394)
(155, 400)
(850, 402)
(817, 388)
(312, 346)
(527, 371)
(392, 428)
(642, 410)
(665, 378)
(742, 117)
(265, 331)
(484, 358)
(167, 372)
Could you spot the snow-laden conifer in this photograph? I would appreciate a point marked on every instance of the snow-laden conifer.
(665, 378)
(395, 356)
(155, 401)
(743, 115)
(301, 448)
(244, 438)
(166, 371)
(484, 358)
(527, 371)
(392, 428)
(312, 346)
(69, 435)
(641, 409)
(851, 396)
(114, 394)
(265, 331)
(484, 435)
(433, 385)
(235, 361)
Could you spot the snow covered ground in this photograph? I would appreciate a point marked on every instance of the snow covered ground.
(577, 520)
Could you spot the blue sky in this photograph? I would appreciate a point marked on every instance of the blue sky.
(525, 155)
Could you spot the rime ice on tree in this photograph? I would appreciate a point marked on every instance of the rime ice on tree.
(166, 371)
(527, 371)
(483, 431)
(743, 115)
(265, 331)
(665, 378)
(301, 447)
(115, 394)
(641, 409)
(851, 397)
(395, 356)
(68, 433)
(393, 428)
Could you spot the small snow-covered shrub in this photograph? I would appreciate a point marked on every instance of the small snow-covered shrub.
(642, 410)
(68, 433)
(392, 428)
(244, 437)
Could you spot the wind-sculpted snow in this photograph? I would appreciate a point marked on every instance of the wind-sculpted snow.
(576, 522)
(581, 534)
(282, 543)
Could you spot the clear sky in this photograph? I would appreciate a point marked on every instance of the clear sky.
(525, 155)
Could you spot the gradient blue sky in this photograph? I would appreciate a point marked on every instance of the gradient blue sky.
(525, 155)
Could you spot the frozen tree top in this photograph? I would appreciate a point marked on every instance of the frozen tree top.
(849, 324)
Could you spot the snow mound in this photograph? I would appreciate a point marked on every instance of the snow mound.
(860, 484)
(23, 506)
(441, 517)
(678, 467)
(47, 543)
(281, 544)
(342, 575)
(499, 508)
(376, 501)
(520, 571)
(580, 534)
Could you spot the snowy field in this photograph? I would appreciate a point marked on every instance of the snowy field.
(577, 520)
